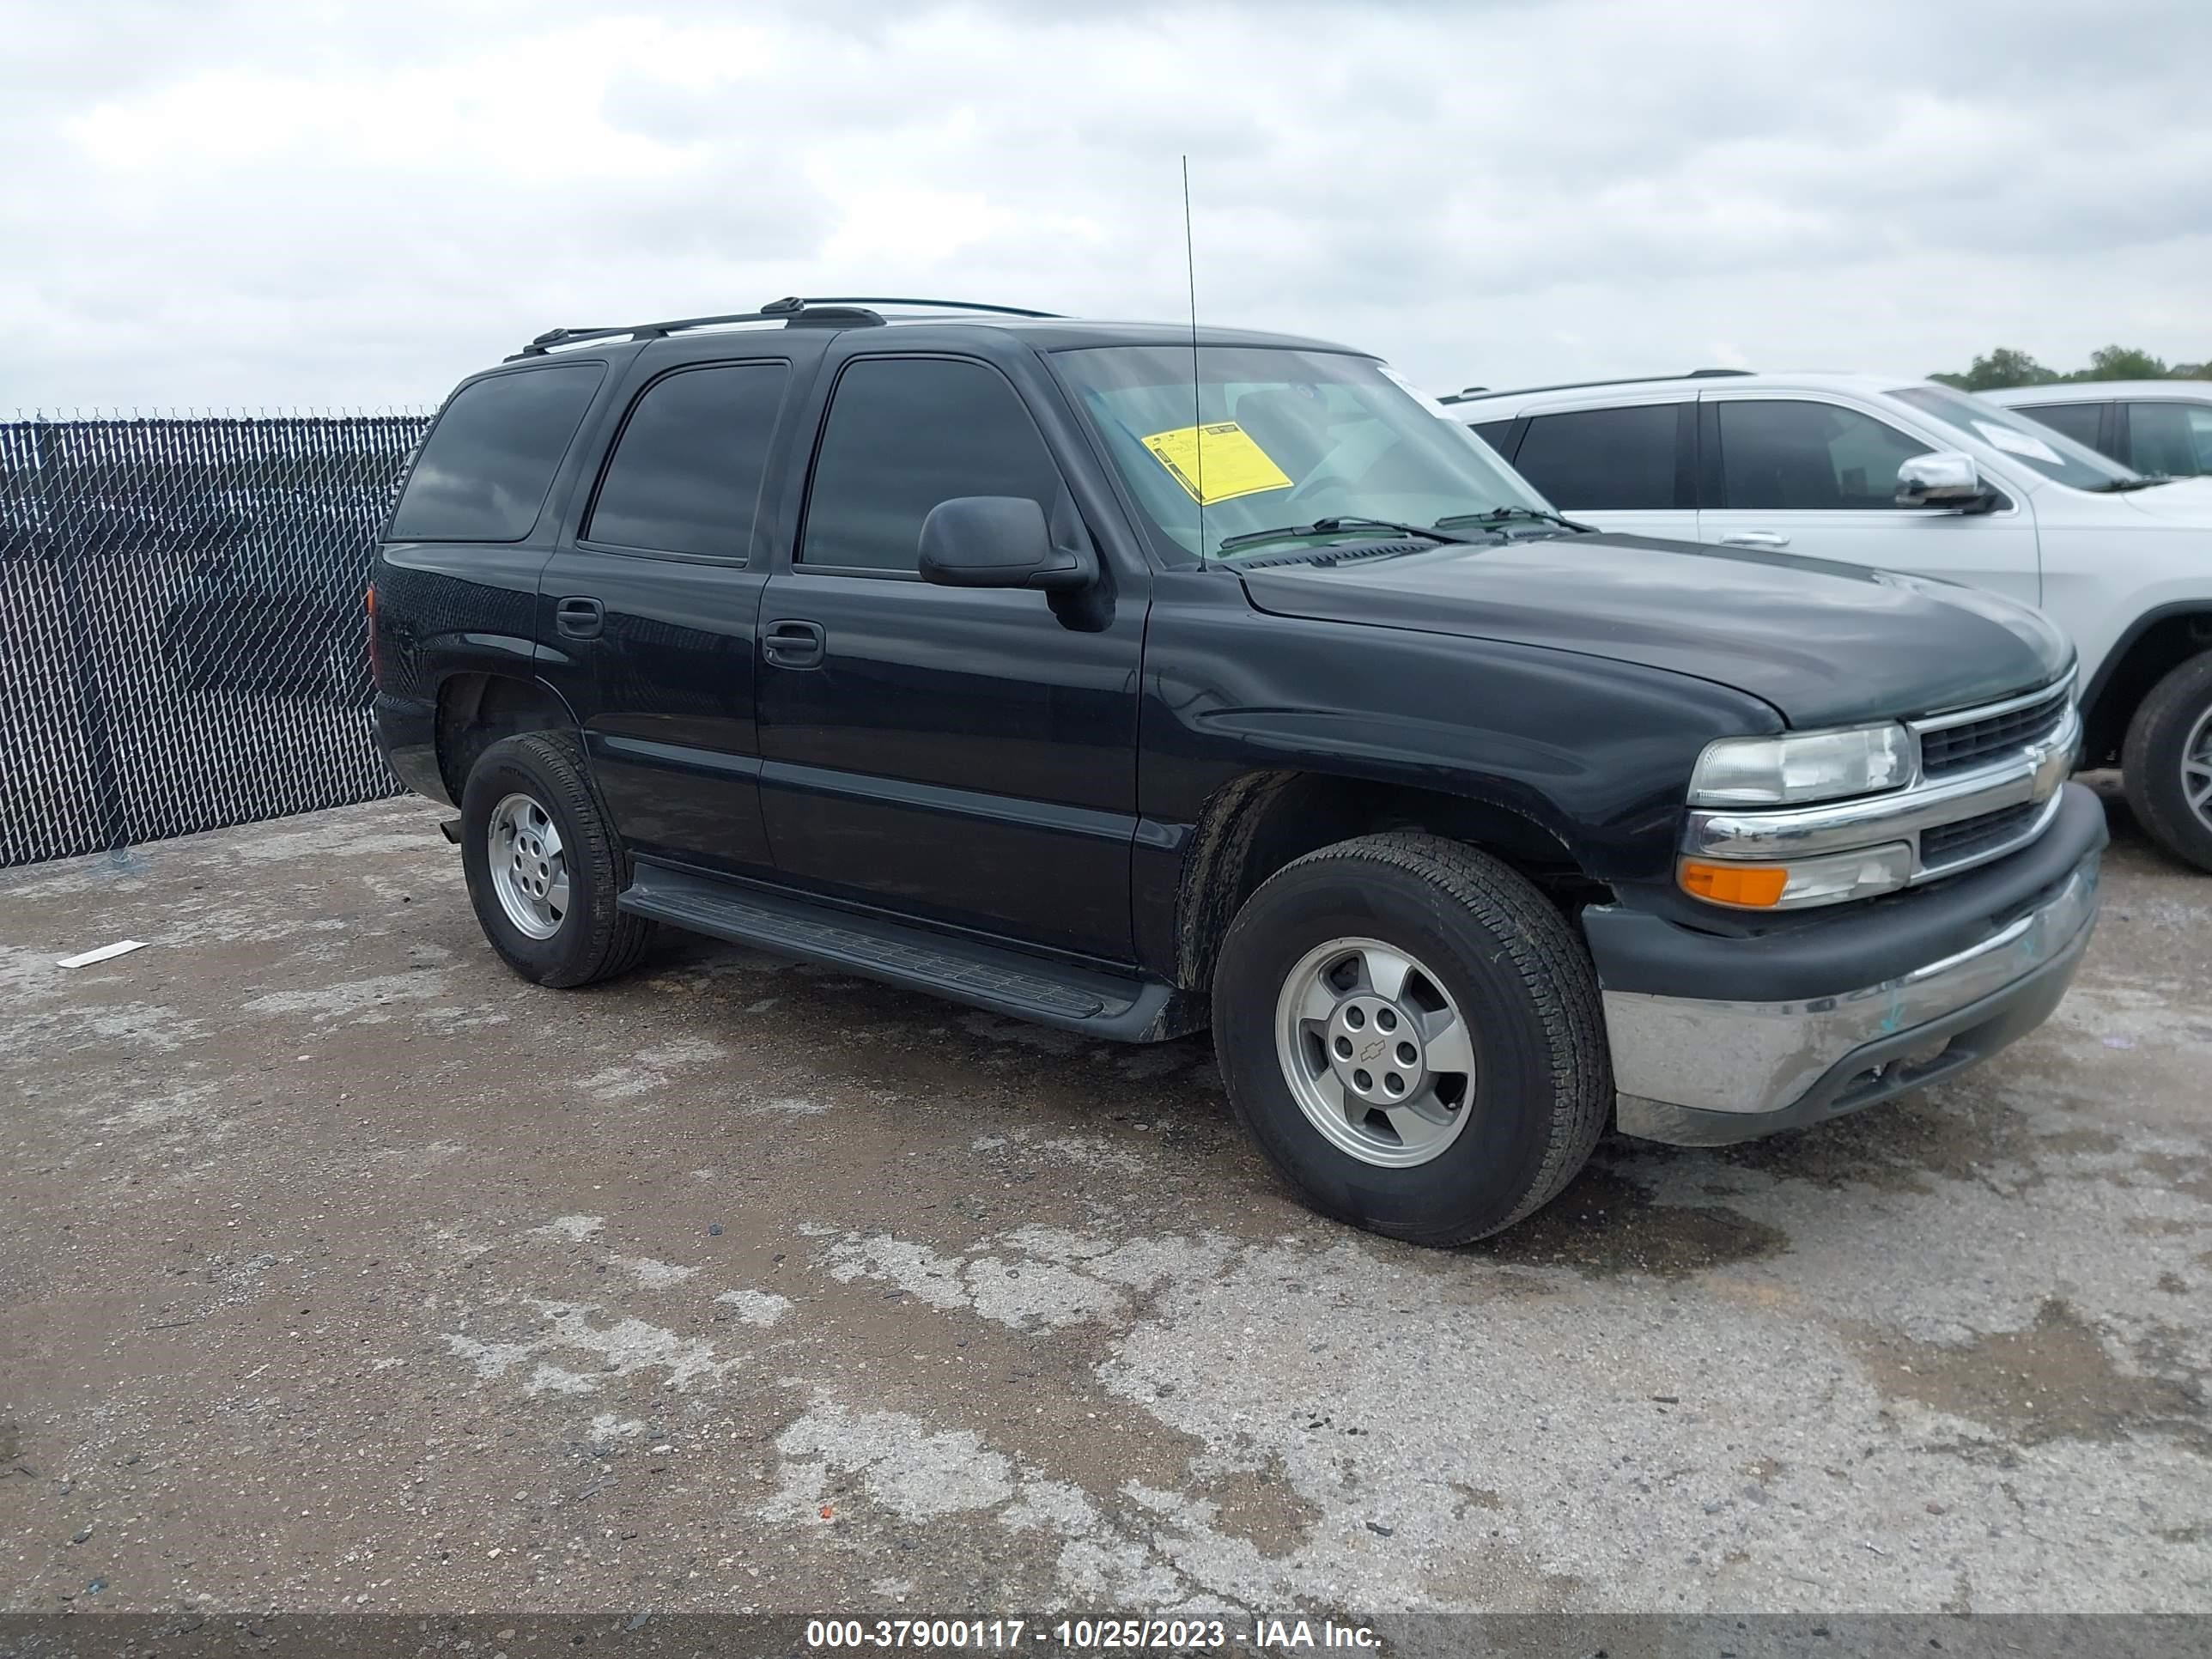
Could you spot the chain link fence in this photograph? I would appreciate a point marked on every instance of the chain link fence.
(182, 642)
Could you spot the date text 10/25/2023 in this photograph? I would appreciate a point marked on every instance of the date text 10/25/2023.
(1087, 1635)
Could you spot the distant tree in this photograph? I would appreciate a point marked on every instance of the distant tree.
(2002, 367)
(2005, 367)
(2114, 362)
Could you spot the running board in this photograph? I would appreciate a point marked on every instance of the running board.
(1102, 1005)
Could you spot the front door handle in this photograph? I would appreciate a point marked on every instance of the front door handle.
(579, 618)
(1755, 539)
(792, 644)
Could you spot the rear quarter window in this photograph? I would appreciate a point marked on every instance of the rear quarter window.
(484, 470)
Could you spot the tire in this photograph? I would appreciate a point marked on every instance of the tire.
(1535, 1077)
(575, 864)
(2166, 762)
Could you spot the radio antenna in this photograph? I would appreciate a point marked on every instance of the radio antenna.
(1197, 418)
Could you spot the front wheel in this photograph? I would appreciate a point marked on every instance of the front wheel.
(1413, 1035)
(2167, 762)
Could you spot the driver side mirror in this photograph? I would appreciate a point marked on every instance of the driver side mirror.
(999, 541)
(1943, 478)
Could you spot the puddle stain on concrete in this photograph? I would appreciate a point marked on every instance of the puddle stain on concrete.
(2053, 1380)
(1605, 1225)
(1905, 1145)
(1261, 1507)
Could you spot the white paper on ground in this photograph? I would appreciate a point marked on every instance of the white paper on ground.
(85, 960)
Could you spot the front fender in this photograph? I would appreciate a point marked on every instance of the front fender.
(1596, 754)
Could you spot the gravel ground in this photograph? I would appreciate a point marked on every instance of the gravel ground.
(343, 1270)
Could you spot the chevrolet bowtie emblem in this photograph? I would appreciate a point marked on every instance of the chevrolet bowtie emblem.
(2050, 775)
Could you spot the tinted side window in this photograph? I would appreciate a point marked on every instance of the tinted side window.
(1595, 458)
(1785, 455)
(485, 468)
(1496, 434)
(905, 433)
(687, 469)
(2173, 438)
(2077, 420)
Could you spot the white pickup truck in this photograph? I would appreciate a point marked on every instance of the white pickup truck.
(1916, 477)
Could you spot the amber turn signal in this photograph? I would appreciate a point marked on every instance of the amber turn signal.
(1755, 886)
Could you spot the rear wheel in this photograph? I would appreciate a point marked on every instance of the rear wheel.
(1413, 1035)
(2168, 761)
(543, 865)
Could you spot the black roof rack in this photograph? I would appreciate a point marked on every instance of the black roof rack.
(842, 311)
(778, 306)
(1468, 392)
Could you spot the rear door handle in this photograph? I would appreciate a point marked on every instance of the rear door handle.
(1755, 539)
(792, 644)
(579, 618)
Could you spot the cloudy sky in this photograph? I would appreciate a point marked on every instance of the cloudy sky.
(288, 202)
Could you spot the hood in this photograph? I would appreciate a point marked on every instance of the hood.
(2185, 501)
(1825, 644)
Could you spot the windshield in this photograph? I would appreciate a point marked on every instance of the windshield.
(1282, 439)
(2049, 452)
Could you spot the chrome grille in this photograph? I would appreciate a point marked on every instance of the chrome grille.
(1954, 745)
(1969, 838)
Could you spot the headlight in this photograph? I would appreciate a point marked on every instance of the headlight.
(1830, 878)
(1777, 771)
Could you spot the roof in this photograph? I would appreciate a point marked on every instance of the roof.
(1469, 394)
(1043, 330)
(2094, 392)
(1494, 406)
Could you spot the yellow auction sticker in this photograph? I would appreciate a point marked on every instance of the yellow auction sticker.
(1222, 457)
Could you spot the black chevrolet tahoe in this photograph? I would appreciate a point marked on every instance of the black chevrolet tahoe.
(1134, 678)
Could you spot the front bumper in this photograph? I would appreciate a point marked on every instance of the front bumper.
(1710, 1070)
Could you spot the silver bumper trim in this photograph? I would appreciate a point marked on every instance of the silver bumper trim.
(1753, 1057)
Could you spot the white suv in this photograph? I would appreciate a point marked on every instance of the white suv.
(2153, 425)
(1916, 477)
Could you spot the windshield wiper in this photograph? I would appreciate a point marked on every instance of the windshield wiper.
(2121, 486)
(1336, 526)
(1502, 515)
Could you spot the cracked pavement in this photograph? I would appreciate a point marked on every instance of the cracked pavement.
(343, 1270)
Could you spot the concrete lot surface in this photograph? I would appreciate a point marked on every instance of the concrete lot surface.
(341, 1269)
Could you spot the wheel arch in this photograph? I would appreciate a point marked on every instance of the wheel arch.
(1260, 821)
(476, 709)
(2158, 642)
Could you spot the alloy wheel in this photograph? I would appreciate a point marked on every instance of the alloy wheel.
(529, 865)
(2197, 768)
(1376, 1052)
